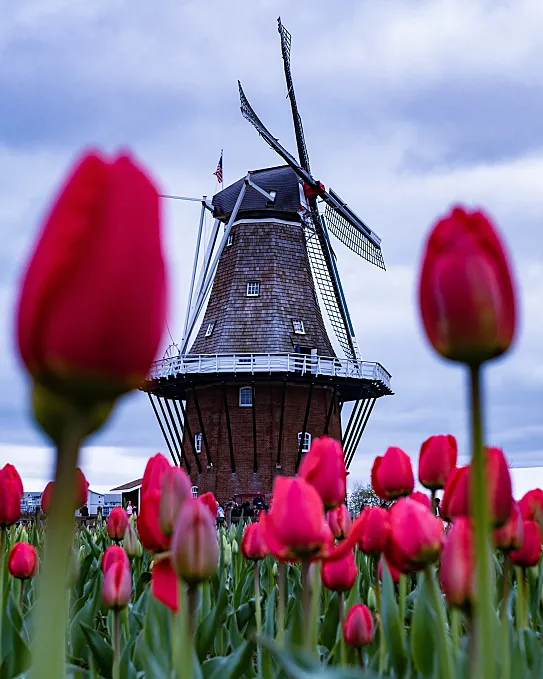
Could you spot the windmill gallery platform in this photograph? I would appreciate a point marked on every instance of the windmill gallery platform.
(257, 378)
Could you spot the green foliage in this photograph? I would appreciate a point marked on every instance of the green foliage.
(363, 495)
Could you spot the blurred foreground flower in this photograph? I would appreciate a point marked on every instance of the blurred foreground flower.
(457, 571)
(195, 548)
(11, 493)
(81, 492)
(253, 545)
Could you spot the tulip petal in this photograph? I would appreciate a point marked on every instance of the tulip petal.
(164, 583)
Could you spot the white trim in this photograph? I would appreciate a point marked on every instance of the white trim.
(267, 220)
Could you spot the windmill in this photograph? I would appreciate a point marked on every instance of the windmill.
(241, 400)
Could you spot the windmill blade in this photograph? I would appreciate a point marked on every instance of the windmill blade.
(325, 273)
(286, 42)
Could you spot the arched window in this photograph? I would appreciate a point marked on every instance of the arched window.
(307, 441)
(198, 442)
(194, 491)
(246, 397)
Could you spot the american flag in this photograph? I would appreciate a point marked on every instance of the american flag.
(218, 171)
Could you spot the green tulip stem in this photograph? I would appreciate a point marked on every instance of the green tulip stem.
(445, 657)
(522, 602)
(401, 598)
(2, 566)
(342, 647)
(258, 610)
(506, 661)
(116, 669)
(315, 604)
(21, 596)
(360, 654)
(382, 642)
(479, 502)
(183, 658)
(281, 587)
(306, 604)
(455, 628)
(50, 641)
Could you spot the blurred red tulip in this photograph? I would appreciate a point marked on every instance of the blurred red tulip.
(81, 333)
(117, 521)
(11, 494)
(510, 535)
(499, 486)
(339, 521)
(466, 293)
(23, 561)
(176, 489)
(117, 586)
(531, 505)
(151, 535)
(375, 531)
(437, 459)
(112, 555)
(81, 492)
(295, 527)
(324, 468)
(422, 498)
(165, 583)
(457, 569)
(155, 470)
(208, 499)
(253, 546)
(358, 626)
(195, 548)
(455, 500)
(530, 552)
(340, 575)
(392, 474)
(415, 533)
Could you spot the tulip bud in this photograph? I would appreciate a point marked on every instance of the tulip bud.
(275, 569)
(499, 486)
(324, 468)
(339, 575)
(415, 533)
(150, 533)
(252, 543)
(131, 543)
(511, 535)
(235, 547)
(176, 488)
(375, 531)
(437, 459)
(117, 522)
(96, 337)
(208, 499)
(456, 494)
(227, 555)
(117, 586)
(530, 552)
(23, 561)
(195, 550)
(339, 521)
(417, 496)
(153, 476)
(392, 474)
(113, 555)
(466, 293)
(457, 565)
(81, 492)
(372, 599)
(11, 493)
(358, 626)
(531, 505)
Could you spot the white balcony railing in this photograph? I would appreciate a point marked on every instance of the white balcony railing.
(270, 363)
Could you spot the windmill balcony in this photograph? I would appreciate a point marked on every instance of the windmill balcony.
(262, 365)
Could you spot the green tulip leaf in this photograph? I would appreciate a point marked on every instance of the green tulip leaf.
(392, 625)
(422, 630)
(330, 623)
(100, 649)
(207, 629)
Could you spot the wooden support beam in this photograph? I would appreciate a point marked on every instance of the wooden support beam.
(189, 432)
(162, 427)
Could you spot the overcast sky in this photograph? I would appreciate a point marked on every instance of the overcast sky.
(408, 107)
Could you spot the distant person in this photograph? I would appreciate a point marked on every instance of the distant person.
(129, 508)
(437, 502)
(84, 511)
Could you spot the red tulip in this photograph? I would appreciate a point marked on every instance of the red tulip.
(113, 555)
(531, 505)
(499, 486)
(23, 561)
(151, 535)
(324, 468)
(339, 521)
(457, 564)
(208, 499)
(155, 470)
(176, 489)
(11, 493)
(394, 572)
(415, 533)
(455, 500)
(422, 498)
(165, 583)
(358, 626)
(295, 527)
(93, 303)
(437, 459)
(81, 492)
(530, 552)
(253, 546)
(510, 535)
(195, 549)
(117, 586)
(340, 575)
(117, 522)
(467, 299)
(392, 474)
(375, 531)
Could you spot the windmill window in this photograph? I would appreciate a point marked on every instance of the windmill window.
(253, 289)
(229, 240)
(298, 326)
(210, 328)
(194, 492)
(269, 203)
(246, 397)
(198, 443)
(307, 442)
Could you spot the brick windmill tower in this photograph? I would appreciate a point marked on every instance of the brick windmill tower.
(258, 378)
